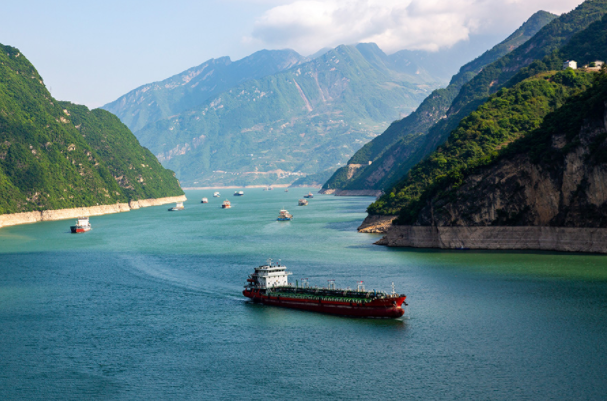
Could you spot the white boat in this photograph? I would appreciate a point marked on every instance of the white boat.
(284, 215)
(204, 200)
(216, 195)
(302, 202)
(238, 193)
(178, 206)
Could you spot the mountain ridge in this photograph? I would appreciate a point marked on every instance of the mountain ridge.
(333, 104)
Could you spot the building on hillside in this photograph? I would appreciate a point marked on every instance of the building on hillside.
(594, 65)
(570, 64)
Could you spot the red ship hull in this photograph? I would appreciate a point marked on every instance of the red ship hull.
(378, 308)
(78, 230)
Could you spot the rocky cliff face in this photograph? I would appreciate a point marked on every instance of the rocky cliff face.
(520, 192)
(545, 191)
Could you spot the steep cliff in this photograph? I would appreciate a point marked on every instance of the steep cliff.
(496, 77)
(548, 187)
(555, 176)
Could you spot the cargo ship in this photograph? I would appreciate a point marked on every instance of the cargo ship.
(302, 202)
(309, 195)
(269, 285)
(226, 204)
(238, 193)
(82, 225)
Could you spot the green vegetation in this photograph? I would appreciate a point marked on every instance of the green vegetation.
(402, 144)
(571, 29)
(306, 119)
(47, 163)
(585, 109)
(508, 115)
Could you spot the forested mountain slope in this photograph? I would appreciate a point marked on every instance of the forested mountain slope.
(57, 155)
(400, 145)
(554, 176)
(549, 40)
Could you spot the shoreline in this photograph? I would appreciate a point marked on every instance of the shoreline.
(246, 187)
(536, 238)
(14, 219)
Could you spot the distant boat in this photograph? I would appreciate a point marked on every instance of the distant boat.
(266, 189)
(309, 195)
(302, 202)
(204, 200)
(238, 193)
(284, 215)
(178, 206)
(82, 225)
(226, 204)
(270, 188)
(216, 195)
(287, 190)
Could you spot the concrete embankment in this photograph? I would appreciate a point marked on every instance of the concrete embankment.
(376, 224)
(349, 192)
(62, 214)
(568, 239)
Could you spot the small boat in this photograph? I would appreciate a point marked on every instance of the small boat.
(178, 206)
(226, 204)
(284, 215)
(82, 225)
(287, 190)
(238, 193)
(302, 202)
(216, 195)
(266, 189)
(204, 200)
(270, 188)
(309, 195)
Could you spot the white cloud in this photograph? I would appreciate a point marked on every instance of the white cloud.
(308, 25)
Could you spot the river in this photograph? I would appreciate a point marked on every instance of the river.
(148, 305)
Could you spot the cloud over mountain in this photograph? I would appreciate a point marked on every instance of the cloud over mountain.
(307, 25)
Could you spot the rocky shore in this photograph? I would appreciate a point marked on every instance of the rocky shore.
(568, 239)
(376, 224)
(62, 214)
(350, 192)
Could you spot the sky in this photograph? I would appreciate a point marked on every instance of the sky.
(92, 52)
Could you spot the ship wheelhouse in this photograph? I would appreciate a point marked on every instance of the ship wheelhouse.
(269, 275)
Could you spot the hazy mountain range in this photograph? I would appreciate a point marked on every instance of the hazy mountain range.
(227, 123)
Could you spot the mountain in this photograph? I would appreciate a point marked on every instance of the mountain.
(296, 122)
(402, 144)
(508, 115)
(554, 37)
(56, 155)
(159, 100)
(544, 191)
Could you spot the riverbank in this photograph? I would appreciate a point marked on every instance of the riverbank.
(72, 213)
(348, 192)
(376, 224)
(566, 239)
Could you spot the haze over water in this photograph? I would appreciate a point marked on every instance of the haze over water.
(148, 305)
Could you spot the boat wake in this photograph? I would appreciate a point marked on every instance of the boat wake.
(148, 268)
